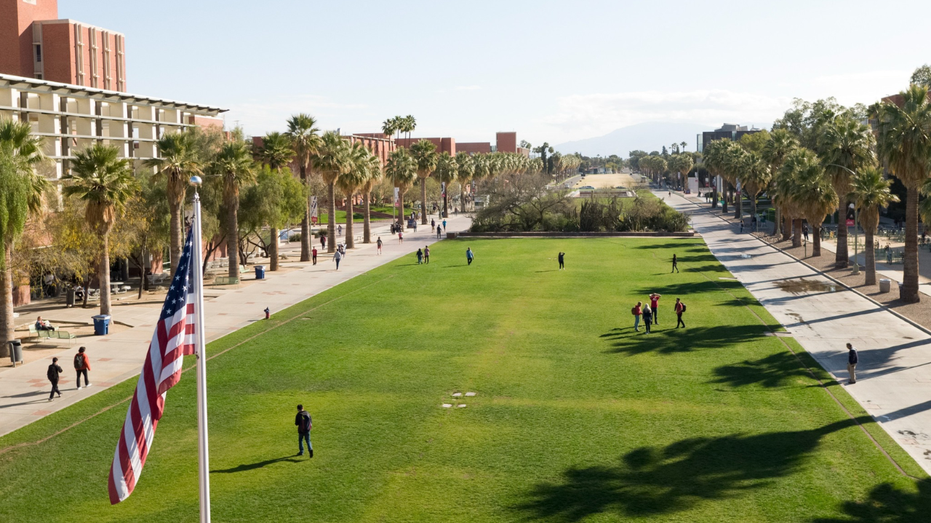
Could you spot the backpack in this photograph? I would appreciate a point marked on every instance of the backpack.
(52, 374)
(78, 362)
(633, 310)
(305, 422)
(683, 305)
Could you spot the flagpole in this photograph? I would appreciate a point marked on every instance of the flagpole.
(197, 278)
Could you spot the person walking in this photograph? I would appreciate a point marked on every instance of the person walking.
(378, 246)
(852, 360)
(54, 373)
(337, 256)
(400, 236)
(444, 225)
(323, 241)
(339, 230)
(419, 256)
(675, 264)
(654, 306)
(313, 254)
(562, 260)
(426, 254)
(805, 231)
(81, 366)
(439, 232)
(637, 311)
(647, 317)
(432, 224)
(679, 308)
(469, 255)
(304, 425)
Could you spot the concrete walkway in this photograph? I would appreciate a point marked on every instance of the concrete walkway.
(894, 373)
(24, 390)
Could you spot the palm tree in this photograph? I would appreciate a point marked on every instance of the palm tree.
(233, 164)
(402, 171)
(714, 160)
(845, 144)
(780, 143)
(784, 195)
(177, 161)
(374, 174)
(813, 193)
(105, 182)
(870, 191)
(352, 180)
(276, 151)
(305, 140)
(389, 126)
(424, 153)
(683, 164)
(446, 171)
(21, 191)
(332, 161)
(904, 144)
(755, 177)
(409, 123)
(464, 173)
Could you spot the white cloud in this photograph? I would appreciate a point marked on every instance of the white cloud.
(852, 88)
(576, 116)
(468, 87)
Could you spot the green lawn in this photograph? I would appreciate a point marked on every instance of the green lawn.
(577, 417)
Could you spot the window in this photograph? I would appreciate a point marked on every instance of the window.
(38, 52)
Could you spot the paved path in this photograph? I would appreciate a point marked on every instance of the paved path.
(894, 374)
(24, 390)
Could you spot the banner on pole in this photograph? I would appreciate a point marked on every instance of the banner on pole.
(397, 197)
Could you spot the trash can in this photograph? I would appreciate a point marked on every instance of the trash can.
(260, 272)
(885, 285)
(16, 351)
(69, 298)
(101, 325)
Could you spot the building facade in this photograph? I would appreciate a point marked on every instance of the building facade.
(727, 131)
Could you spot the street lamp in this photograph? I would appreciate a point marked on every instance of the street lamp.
(856, 229)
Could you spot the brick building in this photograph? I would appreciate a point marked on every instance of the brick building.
(34, 43)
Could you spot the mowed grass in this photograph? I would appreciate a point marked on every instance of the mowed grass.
(577, 417)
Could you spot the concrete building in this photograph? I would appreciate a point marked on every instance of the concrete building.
(34, 43)
(727, 131)
(443, 145)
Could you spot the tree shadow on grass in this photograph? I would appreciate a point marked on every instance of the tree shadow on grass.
(257, 465)
(776, 370)
(655, 480)
(669, 340)
(888, 504)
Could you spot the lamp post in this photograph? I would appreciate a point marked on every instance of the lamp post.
(856, 228)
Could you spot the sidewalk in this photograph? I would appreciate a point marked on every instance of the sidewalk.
(893, 380)
(24, 390)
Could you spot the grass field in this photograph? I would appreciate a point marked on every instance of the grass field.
(577, 417)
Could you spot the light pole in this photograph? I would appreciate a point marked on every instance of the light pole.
(856, 228)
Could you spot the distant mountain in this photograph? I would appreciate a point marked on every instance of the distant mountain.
(649, 136)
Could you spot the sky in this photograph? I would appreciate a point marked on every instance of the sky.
(551, 71)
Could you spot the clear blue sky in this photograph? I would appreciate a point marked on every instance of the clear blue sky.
(553, 71)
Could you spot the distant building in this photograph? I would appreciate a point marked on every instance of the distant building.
(727, 131)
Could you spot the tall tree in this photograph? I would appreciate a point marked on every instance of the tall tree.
(446, 171)
(332, 161)
(755, 176)
(21, 191)
(276, 151)
(780, 143)
(845, 145)
(870, 191)
(543, 150)
(401, 170)
(352, 181)
(424, 153)
(275, 200)
(234, 167)
(813, 193)
(904, 144)
(305, 140)
(922, 76)
(176, 162)
(105, 182)
(374, 175)
(465, 171)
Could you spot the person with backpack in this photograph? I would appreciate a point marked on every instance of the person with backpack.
(637, 311)
(304, 425)
(852, 360)
(419, 256)
(439, 232)
(378, 245)
(680, 308)
(54, 373)
(469, 255)
(647, 317)
(81, 366)
(313, 255)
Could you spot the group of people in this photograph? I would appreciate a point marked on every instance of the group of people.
(81, 365)
(650, 312)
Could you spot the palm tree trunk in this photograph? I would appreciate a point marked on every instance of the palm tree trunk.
(841, 256)
(777, 221)
(331, 218)
(797, 232)
(870, 258)
(350, 241)
(273, 249)
(908, 292)
(462, 197)
(816, 230)
(366, 218)
(753, 211)
(176, 231)
(103, 274)
(401, 209)
(786, 228)
(724, 200)
(305, 221)
(423, 201)
(232, 238)
(738, 203)
(6, 302)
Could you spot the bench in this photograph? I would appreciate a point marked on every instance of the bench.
(50, 335)
(225, 280)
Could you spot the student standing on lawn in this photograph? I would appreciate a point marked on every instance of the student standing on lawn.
(304, 425)
(680, 308)
(654, 306)
(426, 254)
(562, 261)
(647, 317)
(378, 246)
(54, 372)
(637, 311)
(852, 360)
(675, 264)
(81, 366)
(419, 256)
(469, 255)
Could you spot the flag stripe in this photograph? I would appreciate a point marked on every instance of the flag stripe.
(173, 338)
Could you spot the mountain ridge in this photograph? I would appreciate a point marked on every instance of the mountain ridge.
(647, 136)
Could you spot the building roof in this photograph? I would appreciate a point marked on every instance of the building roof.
(78, 90)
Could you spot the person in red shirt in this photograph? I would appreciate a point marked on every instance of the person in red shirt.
(680, 308)
(637, 311)
(81, 366)
(654, 304)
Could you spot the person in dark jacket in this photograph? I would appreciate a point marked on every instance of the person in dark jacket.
(54, 373)
(675, 264)
(304, 425)
(81, 366)
(647, 317)
(852, 360)
(562, 260)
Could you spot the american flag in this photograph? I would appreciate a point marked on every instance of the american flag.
(172, 339)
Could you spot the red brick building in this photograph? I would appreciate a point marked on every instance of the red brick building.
(34, 43)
